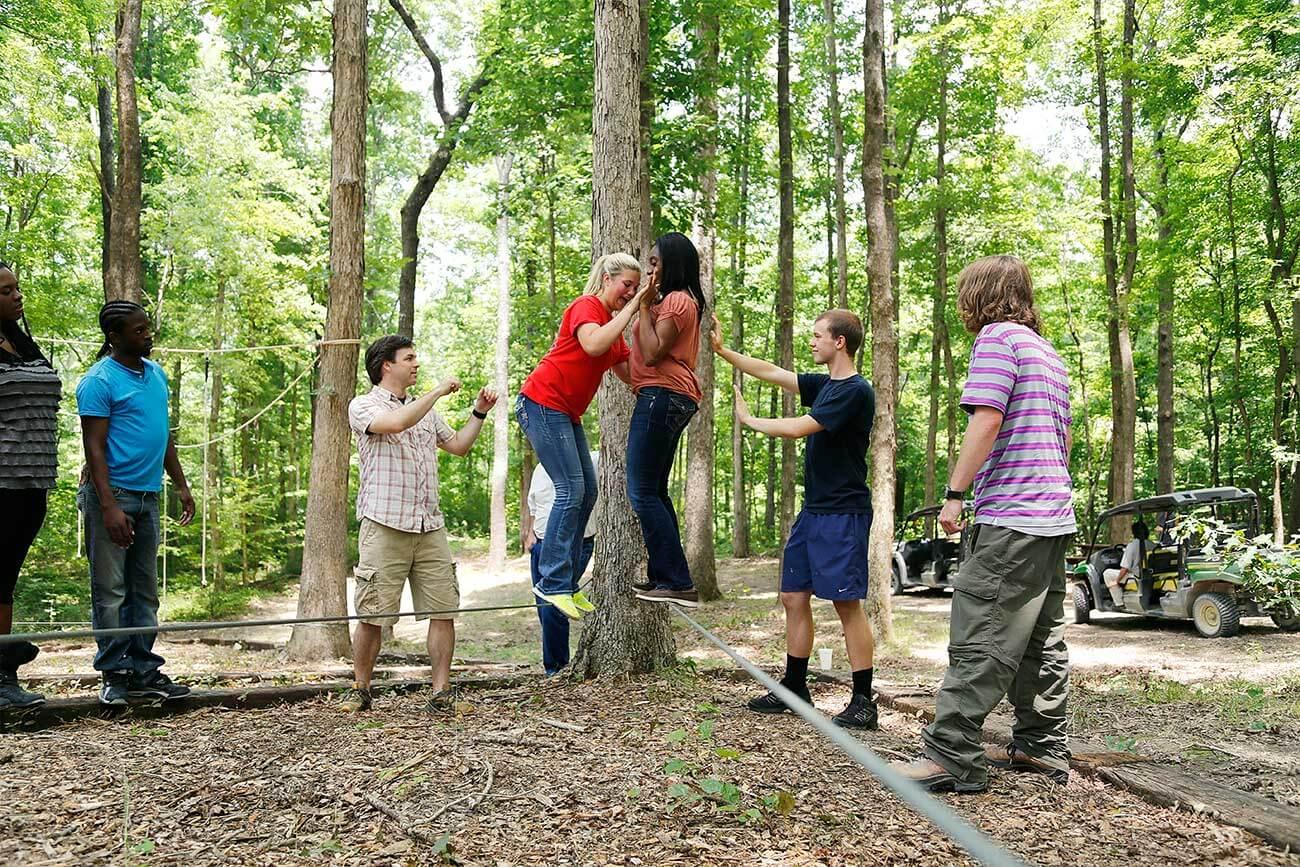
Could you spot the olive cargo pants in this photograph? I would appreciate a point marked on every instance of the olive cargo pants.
(1007, 637)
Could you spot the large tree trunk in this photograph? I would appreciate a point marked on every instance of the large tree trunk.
(325, 545)
(1165, 326)
(700, 499)
(501, 432)
(124, 277)
(622, 635)
(1125, 411)
(837, 132)
(212, 457)
(884, 340)
(452, 127)
(785, 257)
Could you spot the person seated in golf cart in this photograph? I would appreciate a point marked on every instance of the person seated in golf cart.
(1130, 565)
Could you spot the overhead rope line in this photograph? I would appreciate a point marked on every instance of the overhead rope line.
(178, 350)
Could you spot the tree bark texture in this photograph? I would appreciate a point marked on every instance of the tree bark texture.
(500, 415)
(325, 546)
(622, 635)
(785, 257)
(700, 457)
(884, 340)
(124, 277)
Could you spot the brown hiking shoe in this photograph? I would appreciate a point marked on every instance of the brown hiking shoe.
(684, 598)
(355, 700)
(933, 777)
(1011, 758)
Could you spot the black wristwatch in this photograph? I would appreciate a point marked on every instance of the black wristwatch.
(477, 414)
(953, 494)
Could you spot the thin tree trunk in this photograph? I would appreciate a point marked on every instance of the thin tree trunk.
(785, 257)
(124, 277)
(107, 171)
(1238, 396)
(769, 507)
(939, 314)
(837, 131)
(700, 498)
(501, 430)
(622, 635)
(212, 483)
(1281, 377)
(452, 126)
(1165, 325)
(174, 422)
(740, 535)
(325, 544)
(884, 341)
(1084, 407)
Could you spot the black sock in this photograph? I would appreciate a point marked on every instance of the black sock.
(796, 673)
(862, 682)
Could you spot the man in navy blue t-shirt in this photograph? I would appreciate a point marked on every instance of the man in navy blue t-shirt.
(826, 553)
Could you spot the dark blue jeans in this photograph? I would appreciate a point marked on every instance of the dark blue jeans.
(660, 417)
(561, 446)
(123, 581)
(555, 626)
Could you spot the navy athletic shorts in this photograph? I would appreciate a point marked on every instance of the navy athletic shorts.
(827, 556)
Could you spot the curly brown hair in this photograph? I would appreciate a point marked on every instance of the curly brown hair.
(996, 289)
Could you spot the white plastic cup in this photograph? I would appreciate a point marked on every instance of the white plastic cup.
(824, 658)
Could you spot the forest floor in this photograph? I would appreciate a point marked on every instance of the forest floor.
(666, 769)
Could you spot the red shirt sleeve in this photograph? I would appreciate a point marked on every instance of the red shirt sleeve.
(585, 309)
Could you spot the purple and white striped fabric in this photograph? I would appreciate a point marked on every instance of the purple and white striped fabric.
(1024, 484)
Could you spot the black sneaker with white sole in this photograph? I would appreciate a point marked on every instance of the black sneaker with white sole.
(684, 598)
(772, 703)
(156, 685)
(861, 713)
(13, 695)
(113, 690)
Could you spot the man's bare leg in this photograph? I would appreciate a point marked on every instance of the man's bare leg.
(798, 624)
(442, 643)
(365, 650)
(858, 639)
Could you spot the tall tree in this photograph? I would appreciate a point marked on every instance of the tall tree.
(884, 340)
(1124, 419)
(124, 276)
(837, 137)
(739, 263)
(452, 126)
(501, 430)
(1165, 420)
(325, 546)
(785, 254)
(700, 498)
(212, 456)
(622, 635)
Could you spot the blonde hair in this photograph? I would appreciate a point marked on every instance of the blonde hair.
(609, 265)
(996, 289)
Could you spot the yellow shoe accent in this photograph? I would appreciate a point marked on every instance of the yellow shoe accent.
(582, 603)
(562, 601)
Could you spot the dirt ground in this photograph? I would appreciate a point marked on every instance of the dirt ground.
(669, 769)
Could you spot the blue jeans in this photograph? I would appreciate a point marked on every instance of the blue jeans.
(123, 581)
(660, 417)
(561, 446)
(555, 626)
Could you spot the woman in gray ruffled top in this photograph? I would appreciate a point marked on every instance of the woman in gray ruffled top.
(29, 405)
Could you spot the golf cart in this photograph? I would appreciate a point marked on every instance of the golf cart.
(1179, 580)
(924, 555)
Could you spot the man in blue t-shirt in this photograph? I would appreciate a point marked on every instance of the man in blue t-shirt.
(826, 553)
(122, 401)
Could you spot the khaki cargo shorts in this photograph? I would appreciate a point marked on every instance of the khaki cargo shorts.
(389, 558)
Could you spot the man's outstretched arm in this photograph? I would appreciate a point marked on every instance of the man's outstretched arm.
(764, 370)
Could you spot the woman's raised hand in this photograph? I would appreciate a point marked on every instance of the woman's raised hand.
(649, 292)
(715, 334)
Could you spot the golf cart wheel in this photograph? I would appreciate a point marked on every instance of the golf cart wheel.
(897, 583)
(1286, 624)
(1216, 615)
(1082, 607)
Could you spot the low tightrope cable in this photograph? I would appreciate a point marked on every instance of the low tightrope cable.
(205, 626)
(963, 833)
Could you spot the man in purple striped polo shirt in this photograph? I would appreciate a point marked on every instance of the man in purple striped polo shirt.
(1007, 629)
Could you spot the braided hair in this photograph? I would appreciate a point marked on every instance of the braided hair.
(20, 338)
(112, 318)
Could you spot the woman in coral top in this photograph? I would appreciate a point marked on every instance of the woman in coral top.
(550, 408)
(665, 345)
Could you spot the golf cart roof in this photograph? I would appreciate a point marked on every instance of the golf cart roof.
(1179, 500)
(927, 512)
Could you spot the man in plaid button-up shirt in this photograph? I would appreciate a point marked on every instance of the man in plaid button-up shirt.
(403, 536)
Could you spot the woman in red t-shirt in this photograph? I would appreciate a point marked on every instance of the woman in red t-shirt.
(665, 345)
(550, 408)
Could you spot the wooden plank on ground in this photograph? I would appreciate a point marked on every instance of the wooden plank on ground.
(1170, 787)
(63, 710)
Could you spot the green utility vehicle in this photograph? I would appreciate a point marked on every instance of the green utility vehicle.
(1178, 580)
